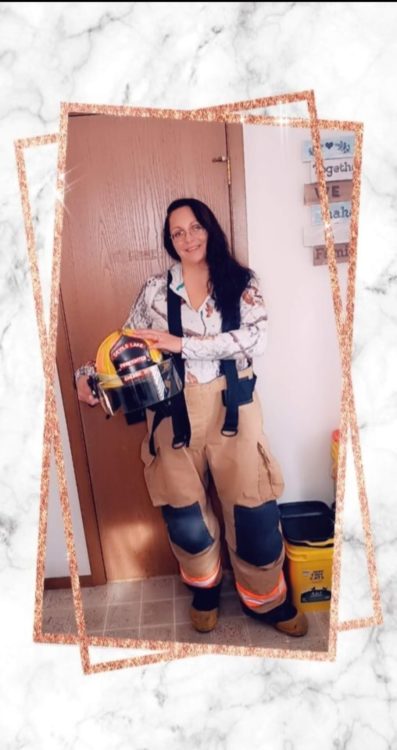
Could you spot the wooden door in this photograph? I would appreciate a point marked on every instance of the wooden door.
(121, 174)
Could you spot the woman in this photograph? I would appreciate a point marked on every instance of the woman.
(208, 311)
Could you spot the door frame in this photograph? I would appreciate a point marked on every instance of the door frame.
(80, 460)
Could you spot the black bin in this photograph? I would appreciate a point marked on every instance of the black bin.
(307, 521)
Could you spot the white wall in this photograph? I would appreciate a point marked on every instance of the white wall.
(56, 564)
(299, 377)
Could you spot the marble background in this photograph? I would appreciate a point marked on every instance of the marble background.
(189, 56)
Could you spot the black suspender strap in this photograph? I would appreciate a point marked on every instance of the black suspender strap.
(158, 416)
(230, 425)
(179, 415)
(229, 370)
(175, 407)
(175, 323)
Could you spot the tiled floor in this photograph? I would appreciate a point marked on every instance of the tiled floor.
(158, 609)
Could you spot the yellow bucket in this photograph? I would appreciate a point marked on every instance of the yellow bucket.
(310, 572)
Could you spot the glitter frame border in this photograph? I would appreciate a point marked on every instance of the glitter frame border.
(223, 113)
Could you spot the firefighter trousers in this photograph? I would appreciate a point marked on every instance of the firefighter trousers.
(248, 480)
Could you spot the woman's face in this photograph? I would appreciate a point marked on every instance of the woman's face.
(189, 238)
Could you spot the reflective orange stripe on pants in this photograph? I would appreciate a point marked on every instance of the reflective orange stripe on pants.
(203, 581)
(253, 600)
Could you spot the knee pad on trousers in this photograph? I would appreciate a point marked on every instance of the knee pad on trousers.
(186, 528)
(258, 538)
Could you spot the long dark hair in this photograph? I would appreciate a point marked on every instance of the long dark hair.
(227, 277)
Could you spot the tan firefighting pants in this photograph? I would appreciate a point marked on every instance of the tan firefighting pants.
(248, 481)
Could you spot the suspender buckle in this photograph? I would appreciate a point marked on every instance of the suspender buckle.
(228, 433)
(244, 392)
(179, 441)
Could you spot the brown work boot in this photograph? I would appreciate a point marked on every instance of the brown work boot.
(204, 609)
(202, 620)
(284, 618)
(296, 626)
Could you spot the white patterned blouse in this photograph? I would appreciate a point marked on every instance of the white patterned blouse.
(203, 343)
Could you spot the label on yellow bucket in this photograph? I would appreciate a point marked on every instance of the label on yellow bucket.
(310, 573)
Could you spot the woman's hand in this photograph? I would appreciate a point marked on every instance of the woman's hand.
(84, 391)
(162, 340)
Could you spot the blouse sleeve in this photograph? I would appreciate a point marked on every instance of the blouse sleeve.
(247, 341)
(87, 369)
(139, 314)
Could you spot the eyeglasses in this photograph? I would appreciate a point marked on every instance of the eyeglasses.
(180, 234)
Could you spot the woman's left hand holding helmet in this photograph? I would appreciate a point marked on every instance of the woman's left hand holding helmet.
(162, 340)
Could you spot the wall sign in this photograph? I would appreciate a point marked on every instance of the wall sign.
(336, 191)
(320, 254)
(314, 235)
(338, 212)
(337, 153)
(339, 169)
(330, 148)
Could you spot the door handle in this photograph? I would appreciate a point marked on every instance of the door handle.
(225, 160)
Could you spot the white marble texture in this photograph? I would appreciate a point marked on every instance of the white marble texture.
(194, 55)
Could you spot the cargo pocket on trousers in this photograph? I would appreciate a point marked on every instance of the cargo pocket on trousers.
(271, 482)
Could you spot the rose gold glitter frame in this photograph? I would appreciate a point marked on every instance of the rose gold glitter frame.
(225, 113)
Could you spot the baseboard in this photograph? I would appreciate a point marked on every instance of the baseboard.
(65, 582)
